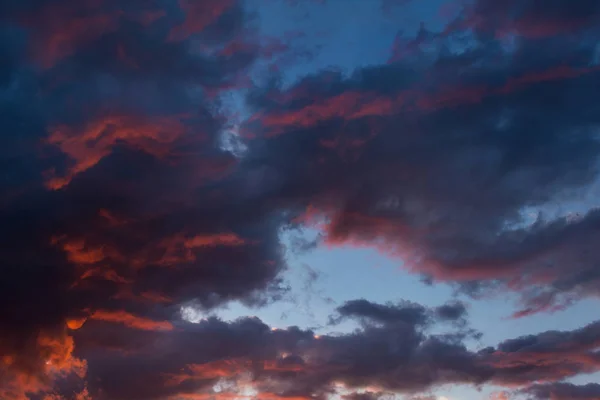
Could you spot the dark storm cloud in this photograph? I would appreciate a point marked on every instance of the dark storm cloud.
(439, 157)
(117, 204)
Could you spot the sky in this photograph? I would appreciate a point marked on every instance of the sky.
(299, 200)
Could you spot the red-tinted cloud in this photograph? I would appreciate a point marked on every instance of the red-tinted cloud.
(130, 320)
(427, 159)
(95, 141)
(119, 205)
(56, 360)
(350, 106)
(117, 174)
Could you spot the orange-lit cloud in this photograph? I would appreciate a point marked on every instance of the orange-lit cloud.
(76, 323)
(155, 297)
(85, 256)
(88, 146)
(106, 274)
(273, 365)
(211, 370)
(219, 369)
(79, 253)
(147, 297)
(181, 249)
(56, 359)
(226, 239)
(131, 321)
(58, 355)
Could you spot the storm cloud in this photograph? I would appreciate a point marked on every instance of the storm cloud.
(119, 203)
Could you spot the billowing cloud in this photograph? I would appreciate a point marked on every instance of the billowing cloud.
(214, 357)
(440, 157)
(118, 204)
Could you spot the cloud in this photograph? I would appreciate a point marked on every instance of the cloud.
(548, 356)
(437, 157)
(564, 391)
(292, 362)
(132, 321)
(533, 19)
(118, 206)
(401, 313)
(368, 396)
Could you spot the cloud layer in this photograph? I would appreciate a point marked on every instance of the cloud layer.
(119, 205)
(452, 159)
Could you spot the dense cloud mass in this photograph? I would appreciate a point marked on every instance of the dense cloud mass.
(440, 157)
(183, 362)
(116, 203)
(119, 204)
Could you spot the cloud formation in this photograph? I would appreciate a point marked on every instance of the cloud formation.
(118, 204)
(440, 157)
(402, 313)
(393, 357)
(564, 391)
